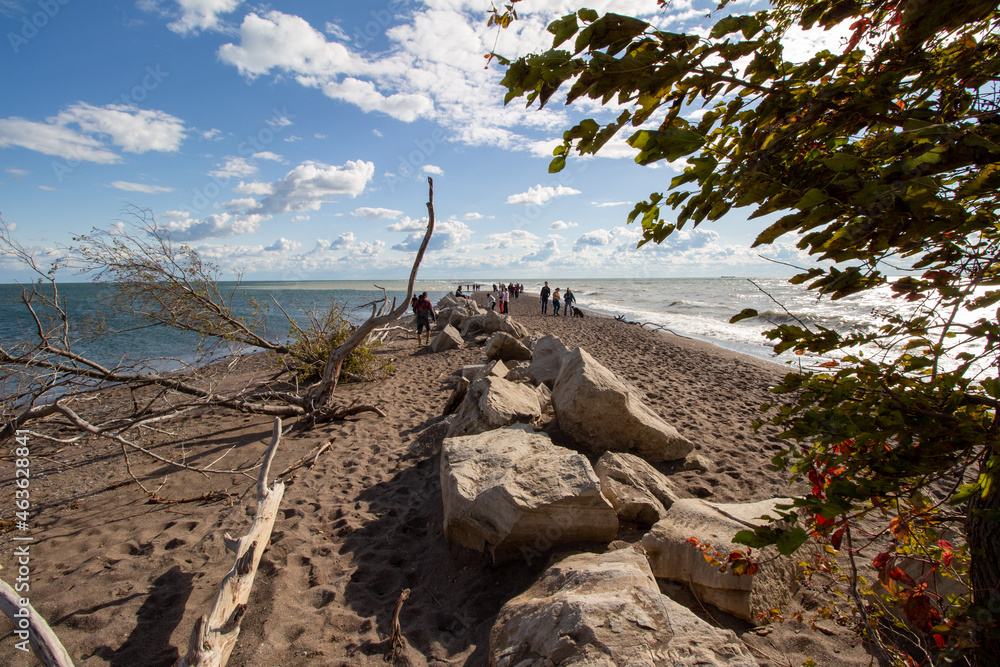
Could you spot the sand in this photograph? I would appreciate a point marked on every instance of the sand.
(122, 580)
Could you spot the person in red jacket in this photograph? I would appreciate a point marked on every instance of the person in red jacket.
(425, 312)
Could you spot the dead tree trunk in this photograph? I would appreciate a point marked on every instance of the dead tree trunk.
(214, 636)
(31, 627)
(323, 392)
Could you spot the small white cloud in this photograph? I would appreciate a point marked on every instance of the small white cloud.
(174, 215)
(234, 167)
(240, 204)
(198, 15)
(432, 169)
(607, 204)
(376, 132)
(47, 187)
(214, 134)
(447, 235)
(17, 174)
(141, 187)
(283, 245)
(280, 121)
(292, 139)
(376, 213)
(268, 155)
(311, 184)
(254, 188)
(408, 224)
(219, 225)
(473, 216)
(345, 240)
(540, 194)
(337, 32)
(560, 224)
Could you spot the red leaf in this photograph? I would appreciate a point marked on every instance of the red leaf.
(837, 538)
(898, 575)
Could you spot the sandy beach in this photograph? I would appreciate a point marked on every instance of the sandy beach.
(122, 580)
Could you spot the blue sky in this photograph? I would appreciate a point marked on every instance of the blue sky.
(292, 141)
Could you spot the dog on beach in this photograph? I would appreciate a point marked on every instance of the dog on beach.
(577, 312)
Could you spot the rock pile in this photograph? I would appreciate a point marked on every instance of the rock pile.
(509, 491)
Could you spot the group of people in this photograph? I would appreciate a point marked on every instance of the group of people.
(563, 301)
(504, 294)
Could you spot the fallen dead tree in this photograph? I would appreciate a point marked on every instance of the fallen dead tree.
(214, 636)
(30, 627)
(43, 377)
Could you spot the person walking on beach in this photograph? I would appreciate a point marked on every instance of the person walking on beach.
(545, 297)
(568, 302)
(504, 301)
(491, 301)
(424, 311)
(555, 302)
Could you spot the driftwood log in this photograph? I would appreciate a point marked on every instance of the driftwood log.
(43, 641)
(214, 636)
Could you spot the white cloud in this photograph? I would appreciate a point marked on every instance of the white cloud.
(141, 187)
(447, 234)
(268, 155)
(234, 167)
(220, 225)
(254, 188)
(174, 215)
(214, 134)
(311, 184)
(560, 224)
(133, 130)
(432, 169)
(473, 216)
(198, 15)
(292, 138)
(408, 224)
(363, 94)
(607, 204)
(515, 238)
(283, 245)
(17, 174)
(240, 204)
(277, 41)
(345, 240)
(377, 213)
(540, 194)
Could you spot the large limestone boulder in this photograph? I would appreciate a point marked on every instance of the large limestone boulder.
(638, 491)
(448, 339)
(493, 402)
(604, 413)
(605, 609)
(746, 596)
(507, 348)
(491, 322)
(547, 357)
(513, 493)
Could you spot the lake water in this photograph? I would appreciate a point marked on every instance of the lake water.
(695, 307)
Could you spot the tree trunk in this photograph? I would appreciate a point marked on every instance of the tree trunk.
(321, 395)
(982, 531)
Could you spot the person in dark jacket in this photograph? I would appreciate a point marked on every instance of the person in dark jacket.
(545, 297)
(425, 312)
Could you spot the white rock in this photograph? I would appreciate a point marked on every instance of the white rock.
(604, 413)
(448, 339)
(672, 557)
(638, 491)
(605, 609)
(513, 493)
(506, 347)
(547, 356)
(492, 402)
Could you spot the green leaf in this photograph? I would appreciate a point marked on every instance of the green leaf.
(557, 164)
(670, 144)
(563, 29)
(726, 26)
(744, 314)
(813, 197)
(790, 540)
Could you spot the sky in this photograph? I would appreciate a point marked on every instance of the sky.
(293, 141)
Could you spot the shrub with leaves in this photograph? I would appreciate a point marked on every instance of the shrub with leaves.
(309, 348)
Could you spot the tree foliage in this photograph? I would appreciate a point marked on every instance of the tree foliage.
(882, 160)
